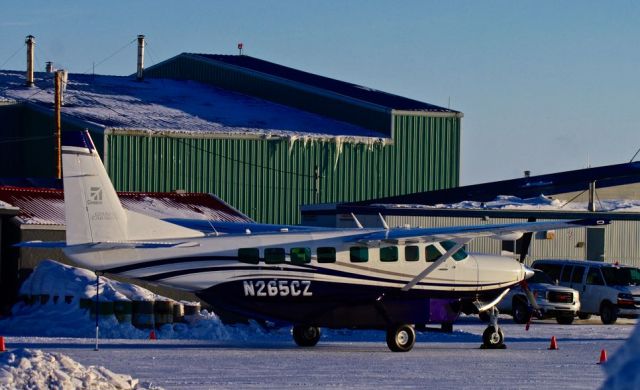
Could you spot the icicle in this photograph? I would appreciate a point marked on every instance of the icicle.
(292, 139)
(339, 144)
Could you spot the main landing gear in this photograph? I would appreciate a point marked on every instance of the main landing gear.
(493, 338)
(305, 335)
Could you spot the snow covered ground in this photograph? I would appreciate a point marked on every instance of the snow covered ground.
(346, 359)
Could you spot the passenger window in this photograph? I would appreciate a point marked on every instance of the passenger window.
(249, 255)
(594, 277)
(359, 254)
(411, 253)
(326, 254)
(300, 255)
(274, 255)
(578, 272)
(433, 253)
(389, 253)
(566, 273)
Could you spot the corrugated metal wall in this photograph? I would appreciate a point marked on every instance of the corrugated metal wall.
(269, 179)
(189, 67)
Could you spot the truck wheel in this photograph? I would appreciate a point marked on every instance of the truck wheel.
(520, 311)
(608, 313)
(564, 320)
(584, 316)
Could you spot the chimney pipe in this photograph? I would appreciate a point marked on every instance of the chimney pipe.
(31, 42)
(139, 74)
(49, 67)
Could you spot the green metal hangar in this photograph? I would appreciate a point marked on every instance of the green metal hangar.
(263, 137)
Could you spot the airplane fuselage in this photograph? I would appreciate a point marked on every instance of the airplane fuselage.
(323, 278)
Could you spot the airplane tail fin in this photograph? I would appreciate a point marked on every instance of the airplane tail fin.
(92, 208)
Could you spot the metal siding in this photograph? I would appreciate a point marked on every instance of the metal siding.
(269, 179)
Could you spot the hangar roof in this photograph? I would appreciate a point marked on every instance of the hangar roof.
(355, 91)
(45, 206)
(120, 103)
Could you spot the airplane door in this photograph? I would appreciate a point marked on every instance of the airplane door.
(445, 272)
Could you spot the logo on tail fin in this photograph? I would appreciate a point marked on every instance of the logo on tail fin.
(95, 195)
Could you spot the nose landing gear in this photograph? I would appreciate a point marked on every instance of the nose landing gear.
(493, 337)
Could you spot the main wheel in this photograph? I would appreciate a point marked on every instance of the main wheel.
(608, 313)
(492, 338)
(401, 338)
(520, 311)
(564, 319)
(584, 316)
(305, 335)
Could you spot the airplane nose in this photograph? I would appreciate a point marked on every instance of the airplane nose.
(528, 272)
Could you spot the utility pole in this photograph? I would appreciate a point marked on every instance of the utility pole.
(58, 129)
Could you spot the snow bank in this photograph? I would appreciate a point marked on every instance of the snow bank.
(63, 319)
(55, 279)
(623, 370)
(35, 369)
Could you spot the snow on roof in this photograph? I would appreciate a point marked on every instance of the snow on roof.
(120, 103)
(40, 206)
(506, 202)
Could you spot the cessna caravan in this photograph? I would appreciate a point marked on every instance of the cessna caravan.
(362, 278)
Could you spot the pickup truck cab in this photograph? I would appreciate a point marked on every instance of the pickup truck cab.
(608, 290)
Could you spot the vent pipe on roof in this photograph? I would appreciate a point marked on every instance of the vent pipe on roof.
(49, 67)
(31, 43)
(139, 74)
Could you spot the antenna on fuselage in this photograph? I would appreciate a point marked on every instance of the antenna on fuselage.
(384, 223)
(358, 224)
(213, 227)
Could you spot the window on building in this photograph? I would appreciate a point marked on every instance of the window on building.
(300, 255)
(274, 255)
(412, 253)
(389, 253)
(359, 254)
(326, 254)
(249, 255)
(432, 253)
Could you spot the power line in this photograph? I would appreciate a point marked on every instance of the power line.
(12, 55)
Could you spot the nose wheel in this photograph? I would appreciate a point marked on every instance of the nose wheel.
(493, 337)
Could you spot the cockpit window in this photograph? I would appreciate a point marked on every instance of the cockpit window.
(459, 255)
(433, 253)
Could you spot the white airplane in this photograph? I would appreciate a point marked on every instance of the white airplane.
(381, 278)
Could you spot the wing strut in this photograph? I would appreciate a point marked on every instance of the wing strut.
(436, 264)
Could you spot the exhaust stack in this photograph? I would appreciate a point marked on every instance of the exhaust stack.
(31, 43)
(139, 74)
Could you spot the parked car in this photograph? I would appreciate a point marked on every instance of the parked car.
(563, 303)
(608, 290)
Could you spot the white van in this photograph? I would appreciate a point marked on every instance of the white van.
(608, 290)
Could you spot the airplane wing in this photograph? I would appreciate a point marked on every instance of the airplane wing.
(503, 231)
(223, 227)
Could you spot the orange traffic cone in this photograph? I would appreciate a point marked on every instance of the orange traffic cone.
(603, 356)
(2, 348)
(152, 335)
(554, 343)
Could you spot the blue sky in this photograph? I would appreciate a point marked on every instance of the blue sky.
(546, 86)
